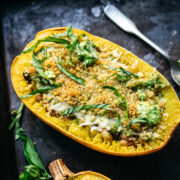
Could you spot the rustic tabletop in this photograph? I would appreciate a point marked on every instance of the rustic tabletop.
(20, 21)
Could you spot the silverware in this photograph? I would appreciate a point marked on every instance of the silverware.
(127, 25)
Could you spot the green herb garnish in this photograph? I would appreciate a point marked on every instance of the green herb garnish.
(33, 157)
(122, 74)
(70, 33)
(139, 120)
(128, 73)
(35, 170)
(114, 130)
(69, 74)
(47, 88)
(38, 66)
(16, 116)
(44, 50)
(72, 47)
(121, 100)
(154, 83)
(149, 115)
(47, 39)
(86, 52)
(85, 107)
(66, 33)
(103, 114)
(46, 76)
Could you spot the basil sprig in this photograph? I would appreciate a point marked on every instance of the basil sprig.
(35, 169)
(121, 100)
(47, 39)
(16, 116)
(47, 88)
(85, 51)
(69, 74)
(85, 107)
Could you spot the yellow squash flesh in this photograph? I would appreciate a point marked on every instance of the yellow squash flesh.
(81, 134)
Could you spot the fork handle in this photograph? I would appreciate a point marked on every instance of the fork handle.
(128, 25)
(152, 44)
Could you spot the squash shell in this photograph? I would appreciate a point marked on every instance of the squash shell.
(20, 63)
(59, 171)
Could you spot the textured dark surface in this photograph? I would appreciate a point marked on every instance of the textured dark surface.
(159, 20)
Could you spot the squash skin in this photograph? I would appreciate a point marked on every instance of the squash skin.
(60, 171)
(173, 107)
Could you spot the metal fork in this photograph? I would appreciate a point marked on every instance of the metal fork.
(127, 25)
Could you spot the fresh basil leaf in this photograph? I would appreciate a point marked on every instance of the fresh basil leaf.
(118, 121)
(38, 66)
(47, 88)
(69, 74)
(63, 34)
(47, 39)
(36, 168)
(70, 33)
(86, 51)
(71, 47)
(44, 50)
(85, 107)
(16, 116)
(33, 171)
(39, 51)
(121, 100)
(32, 155)
(114, 130)
(122, 74)
(103, 114)
(139, 120)
(45, 76)
(45, 55)
(18, 132)
(107, 67)
(88, 60)
(129, 73)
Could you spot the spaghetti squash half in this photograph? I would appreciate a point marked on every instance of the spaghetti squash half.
(96, 92)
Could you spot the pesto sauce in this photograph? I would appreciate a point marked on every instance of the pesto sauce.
(152, 113)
